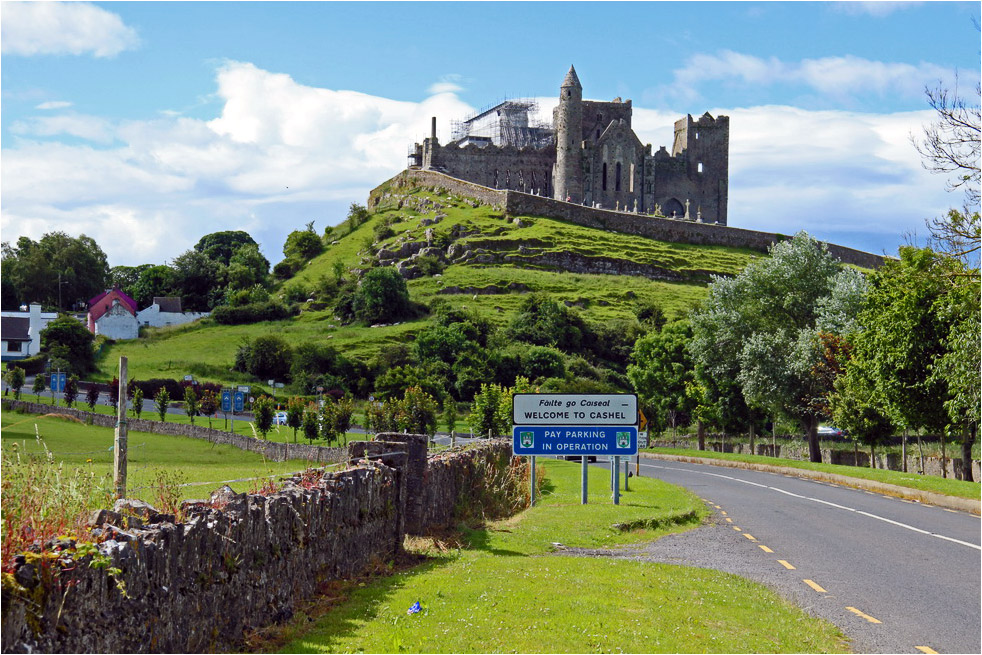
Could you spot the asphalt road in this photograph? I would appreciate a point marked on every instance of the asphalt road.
(895, 576)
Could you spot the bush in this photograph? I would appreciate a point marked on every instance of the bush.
(382, 297)
(541, 362)
(430, 265)
(287, 269)
(31, 365)
(266, 357)
(253, 313)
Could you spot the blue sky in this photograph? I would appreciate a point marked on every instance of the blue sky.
(147, 125)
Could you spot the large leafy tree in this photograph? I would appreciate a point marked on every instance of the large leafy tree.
(198, 280)
(663, 374)
(761, 327)
(382, 297)
(303, 245)
(68, 342)
(58, 270)
(151, 282)
(222, 246)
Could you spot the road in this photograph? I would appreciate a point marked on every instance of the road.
(895, 576)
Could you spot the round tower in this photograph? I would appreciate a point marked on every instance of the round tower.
(568, 174)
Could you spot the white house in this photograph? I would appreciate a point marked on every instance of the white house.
(166, 310)
(20, 332)
(118, 322)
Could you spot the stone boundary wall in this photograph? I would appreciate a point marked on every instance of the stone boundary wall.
(663, 229)
(238, 562)
(276, 452)
(845, 457)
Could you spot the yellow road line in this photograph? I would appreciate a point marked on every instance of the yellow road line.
(722, 512)
(925, 649)
(736, 528)
(749, 536)
(811, 583)
(863, 615)
(764, 548)
(729, 520)
(717, 507)
(785, 564)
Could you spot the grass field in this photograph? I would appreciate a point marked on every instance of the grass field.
(200, 464)
(933, 483)
(506, 590)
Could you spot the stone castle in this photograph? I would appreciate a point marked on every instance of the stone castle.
(590, 155)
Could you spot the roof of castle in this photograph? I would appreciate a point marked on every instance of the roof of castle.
(571, 78)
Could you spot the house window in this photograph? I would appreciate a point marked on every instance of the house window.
(617, 177)
(14, 346)
(605, 176)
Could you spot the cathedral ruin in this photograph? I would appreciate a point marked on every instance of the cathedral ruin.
(590, 155)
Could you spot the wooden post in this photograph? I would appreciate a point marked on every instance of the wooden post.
(119, 448)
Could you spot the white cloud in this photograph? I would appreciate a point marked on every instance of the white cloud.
(54, 104)
(91, 128)
(878, 9)
(279, 154)
(839, 77)
(59, 28)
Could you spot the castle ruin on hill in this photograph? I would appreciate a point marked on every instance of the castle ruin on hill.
(590, 155)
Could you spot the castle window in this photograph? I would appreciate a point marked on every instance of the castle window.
(697, 136)
(605, 177)
(631, 181)
(699, 167)
(598, 132)
(617, 177)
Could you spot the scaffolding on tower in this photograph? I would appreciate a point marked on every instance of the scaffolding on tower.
(511, 122)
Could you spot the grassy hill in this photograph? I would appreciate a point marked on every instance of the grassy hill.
(487, 263)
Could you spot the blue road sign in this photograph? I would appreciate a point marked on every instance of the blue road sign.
(562, 440)
(226, 400)
(58, 381)
(239, 401)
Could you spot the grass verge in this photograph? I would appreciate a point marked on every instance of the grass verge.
(504, 590)
(933, 483)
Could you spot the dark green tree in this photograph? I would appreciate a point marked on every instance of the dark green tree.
(222, 246)
(382, 297)
(303, 245)
(663, 375)
(311, 423)
(294, 415)
(161, 400)
(858, 410)
(15, 378)
(542, 321)
(262, 411)
(58, 270)
(198, 279)
(71, 391)
(38, 387)
(92, 397)
(153, 281)
(192, 405)
(65, 338)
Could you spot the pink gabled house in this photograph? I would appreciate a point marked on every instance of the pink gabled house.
(113, 313)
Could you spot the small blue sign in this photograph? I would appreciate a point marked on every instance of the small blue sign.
(58, 381)
(239, 401)
(581, 440)
(226, 400)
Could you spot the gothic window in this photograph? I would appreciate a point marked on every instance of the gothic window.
(617, 177)
(605, 177)
(699, 167)
(598, 132)
(631, 181)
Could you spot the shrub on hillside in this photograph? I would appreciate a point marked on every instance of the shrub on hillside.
(253, 313)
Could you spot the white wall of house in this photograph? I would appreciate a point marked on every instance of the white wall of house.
(39, 321)
(118, 323)
(153, 317)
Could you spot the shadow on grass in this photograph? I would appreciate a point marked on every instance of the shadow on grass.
(480, 539)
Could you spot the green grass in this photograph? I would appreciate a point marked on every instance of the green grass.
(933, 483)
(189, 460)
(207, 350)
(506, 591)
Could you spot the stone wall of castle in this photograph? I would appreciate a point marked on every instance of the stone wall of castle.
(521, 169)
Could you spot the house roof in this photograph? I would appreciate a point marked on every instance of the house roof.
(15, 329)
(116, 293)
(170, 304)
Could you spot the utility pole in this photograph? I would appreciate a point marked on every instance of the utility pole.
(119, 449)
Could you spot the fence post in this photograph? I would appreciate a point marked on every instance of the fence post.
(119, 447)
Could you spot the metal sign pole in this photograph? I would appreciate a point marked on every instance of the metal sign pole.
(627, 470)
(532, 493)
(617, 480)
(583, 481)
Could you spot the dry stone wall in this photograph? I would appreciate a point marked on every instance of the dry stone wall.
(277, 452)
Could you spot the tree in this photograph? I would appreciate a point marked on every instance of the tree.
(247, 268)
(58, 270)
(137, 402)
(343, 410)
(38, 387)
(294, 415)
(161, 401)
(262, 411)
(450, 414)
(544, 322)
(419, 412)
(192, 406)
(126, 278)
(209, 404)
(198, 280)
(267, 357)
(327, 421)
(491, 411)
(760, 328)
(71, 390)
(663, 374)
(153, 281)
(92, 397)
(951, 143)
(15, 378)
(303, 245)
(221, 246)
(381, 297)
(311, 423)
(856, 409)
(67, 339)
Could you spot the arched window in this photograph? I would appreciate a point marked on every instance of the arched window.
(604, 182)
(617, 177)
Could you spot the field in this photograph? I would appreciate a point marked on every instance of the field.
(508, 589)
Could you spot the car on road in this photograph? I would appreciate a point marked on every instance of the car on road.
(830, 431)
(279, 418)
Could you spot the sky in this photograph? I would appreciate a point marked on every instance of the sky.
(147, 125)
